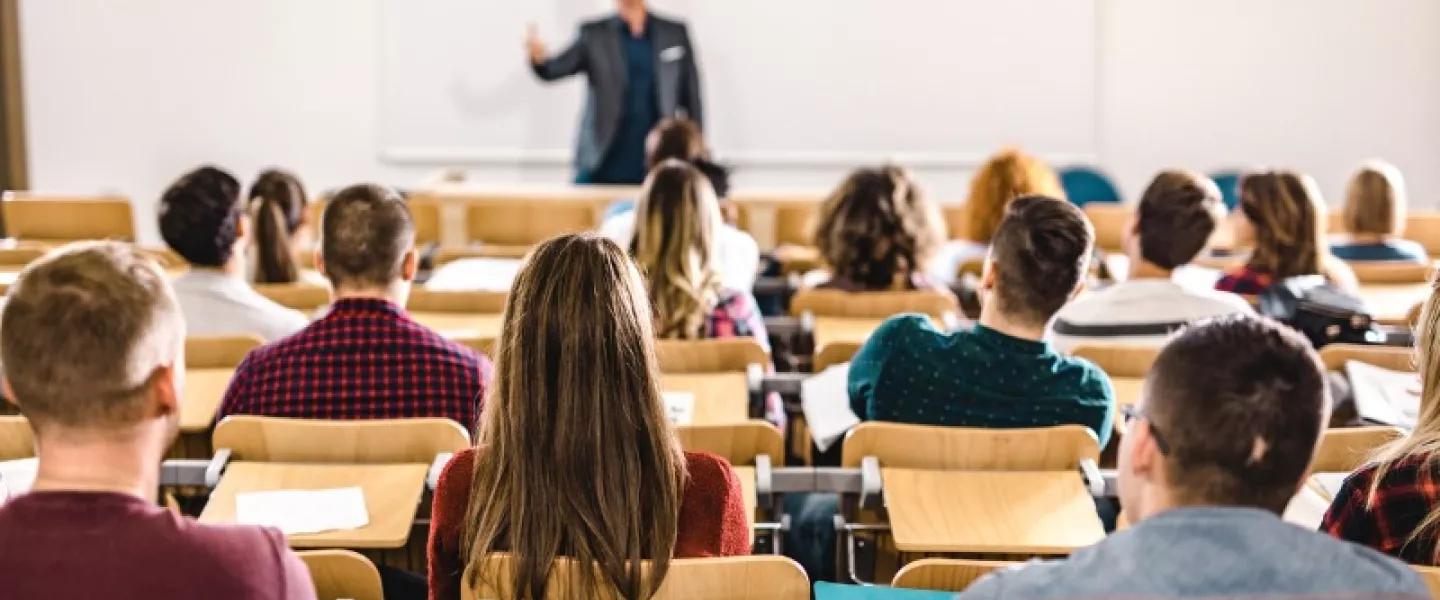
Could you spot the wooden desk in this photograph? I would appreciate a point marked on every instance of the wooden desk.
(460, 324)
(720, 398)
(1391, 302)
(747, 494)
(990, 512)
(841, 329)
(392, 493)
(204, 389)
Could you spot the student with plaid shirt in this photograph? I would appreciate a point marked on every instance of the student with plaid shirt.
(1283, 218)
(366, 358)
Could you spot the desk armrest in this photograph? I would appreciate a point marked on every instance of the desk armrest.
(183, 472)
(436, 466)
(1093, 478)
(764, 486)
(870, 483)
(216, 468)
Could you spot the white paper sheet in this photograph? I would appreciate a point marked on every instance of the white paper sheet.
(17, 477)
(296, 512)
(475, 275)
(825, 400)
(1384, 396)
(1329, 483)
(680, 407)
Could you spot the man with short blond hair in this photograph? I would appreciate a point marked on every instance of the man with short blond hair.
(92, 342)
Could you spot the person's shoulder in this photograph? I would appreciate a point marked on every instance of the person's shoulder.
(1360, 567)
(706, 466)
(904, 324)
(1409, 249)
(1034, 579)
(667, 20)
(1090, 380)
(256, 550)
(456, 474)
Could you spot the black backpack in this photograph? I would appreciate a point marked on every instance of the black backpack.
(1322, 312)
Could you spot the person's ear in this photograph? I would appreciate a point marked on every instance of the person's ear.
(164, 391)
(1144, 454)
(320, 264)
(411, 266)
(242, 227)
(9, 391)
(987, 274)
(1079, 289)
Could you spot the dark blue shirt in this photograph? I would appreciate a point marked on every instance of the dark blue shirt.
(624, 163)
(1396, 250)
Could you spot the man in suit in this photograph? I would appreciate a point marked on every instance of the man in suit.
(641, 69)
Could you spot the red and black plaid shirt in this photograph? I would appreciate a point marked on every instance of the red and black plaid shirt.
(1408, 492)
(366, 359)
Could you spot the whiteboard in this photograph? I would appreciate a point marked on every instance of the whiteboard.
(798, 82)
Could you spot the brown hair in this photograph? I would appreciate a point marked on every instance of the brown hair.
(1239, 402)
(1177, 215)
(1006, 176)
(878, 229)
(578, 458)
(1040, 254)
(674, 247)
(1289, 219)
(677, 138)
(1375, 200)
(200, 216)
(365, 233)
(277, 202)
(84, 329)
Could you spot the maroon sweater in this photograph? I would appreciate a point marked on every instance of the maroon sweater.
(712, 517)
(105, 545)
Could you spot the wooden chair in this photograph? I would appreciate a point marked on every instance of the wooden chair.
(955, 219)
(483, 345)
(17, 258)
(900, 446)
(710, 356)
(1120, 360)
(835, 353)
(741, 444)
(430, 301)
(1334, 356)
(946, 574)
(220, 351)
(519, 221)
(272, 439)
(1412, 317)
(1431, 576)
(778, 219)
(299, 296)
(1424, 227)
(1345, 449)
(426, 215)
(16, 438)
(61, 218)
(1372, 272)
(1110, 221)
(728, 578)
(343, 574)
(874, 305)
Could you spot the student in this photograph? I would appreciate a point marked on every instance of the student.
(93, 342)
(1375, 217)
(1392, 504)
(278, 208)
(877, 232)
(1174, 221)
(1007, 175)
(1002, 373)
(1213, 453)
(366, 358)
(1283, 220)
(582, 404)
(202, 218)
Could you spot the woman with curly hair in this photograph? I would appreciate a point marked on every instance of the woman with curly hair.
(878, 232)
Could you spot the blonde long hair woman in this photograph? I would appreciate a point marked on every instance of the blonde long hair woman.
(575, 457)
(1283, 219)
(1392, 504)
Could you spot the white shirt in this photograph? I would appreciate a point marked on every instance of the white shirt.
(953, 254)
(477, 274)
(217, 304)
(737, 255)
(1147, 303)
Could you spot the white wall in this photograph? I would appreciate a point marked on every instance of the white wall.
(126, 95)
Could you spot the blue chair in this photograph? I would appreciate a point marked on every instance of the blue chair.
(835, 591)
(1229, 182)
(1084, 185)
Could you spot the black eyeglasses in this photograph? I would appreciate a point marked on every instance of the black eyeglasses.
(1133, 413)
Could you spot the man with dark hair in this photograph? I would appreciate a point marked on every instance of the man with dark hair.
(1002, 372)
(366, 358)
(1173, 223)
(1217, 447)
(202, 218)
(93, 346)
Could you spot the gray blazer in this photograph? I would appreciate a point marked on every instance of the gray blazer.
(597, 52)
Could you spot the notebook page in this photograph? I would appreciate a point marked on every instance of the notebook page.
(825, 400)
(1384, 396)
(296, 512)
(680, 407)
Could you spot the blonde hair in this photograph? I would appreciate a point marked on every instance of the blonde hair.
(577, 456)
(1009, 174)
(1289, 219)
(674, 247)
(1375, 200)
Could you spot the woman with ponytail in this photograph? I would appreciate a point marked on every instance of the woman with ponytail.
(277, 206)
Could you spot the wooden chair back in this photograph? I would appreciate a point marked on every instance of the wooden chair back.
(760, 577)
(835, 353)
(483, 345)
(524, 221)
(1424, 227)
(383, 441)
(343, 574)
(874, 305)
(303, 297)
(426, 214)
(1386, 357)
(431, 301)
(900, 446)
(793, 219)
(1431, 577)
(737, 443)
(1342, 450)
(710, 356)
(1412, 316)
(62, 218)
(1374, 272)
(16, 258)
(16, 438)
(1120, 360)
(1110, 221)
(218, 351)
(946, 574)
(956, 219)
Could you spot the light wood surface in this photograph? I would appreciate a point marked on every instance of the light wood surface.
(710, 356)
(342, 574)
(902, 446)
(519, 220)
(874, 305)
(203, 392)
(775, 218)
(762, 577)
(1120, 360)
(1424, 227)
(1013, 512)
(274, 439)
(16, 439)
(1343, 450)
(846, 332)
(1390, 272)
(738, 443)
(392, 494)
(946, 574)
(1386, 357)
(1390, 303)
(1110, 221)
(218, 352)
(834, 353)
(459, 325)
(16, 258)
(1127, 390)
(426, 214)
(483, 345)
(720, 398)
(462, 303)
(56, 219)
(303, 297)
(746, 475)
(1431, 575)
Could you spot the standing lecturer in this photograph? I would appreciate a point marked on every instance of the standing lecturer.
(641, 69)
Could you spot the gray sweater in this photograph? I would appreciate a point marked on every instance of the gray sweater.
(1211, 553)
